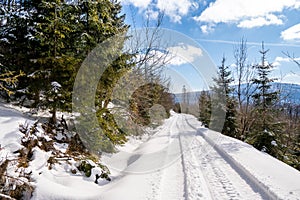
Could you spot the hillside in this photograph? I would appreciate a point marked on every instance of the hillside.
(288, 93)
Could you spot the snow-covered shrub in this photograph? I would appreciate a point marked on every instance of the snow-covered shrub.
(14, 181)
(94, 170)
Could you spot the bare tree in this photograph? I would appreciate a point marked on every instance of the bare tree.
(244, 90)
(292, 57)
(150, 56)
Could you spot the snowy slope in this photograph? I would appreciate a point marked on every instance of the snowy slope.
(272, 177)
(10, 136)
(182, 160)
(196, 163)
(57, 183)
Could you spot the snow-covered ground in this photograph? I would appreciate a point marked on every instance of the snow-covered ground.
(10, 137)
(182, 160)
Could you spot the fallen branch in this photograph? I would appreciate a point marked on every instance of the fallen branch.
(6, 197)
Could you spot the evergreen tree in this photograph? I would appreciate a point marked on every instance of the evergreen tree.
(224, 102)
(145, 98)
(49, 40)
(266, 131)
(205, 108)
(14, 44)
(55, 61)
(8, 81)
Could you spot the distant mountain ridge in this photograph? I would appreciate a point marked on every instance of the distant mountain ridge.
(288, 93)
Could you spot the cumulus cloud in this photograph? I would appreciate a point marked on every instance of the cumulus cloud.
(176, 55)
(246, 13)
(278, 60)
(175, 9)
(206, 28)
(282, 59)
(261, 21)
(292, 33)
(292, 78)
(182, 54)
(137, 3)
(152, 14)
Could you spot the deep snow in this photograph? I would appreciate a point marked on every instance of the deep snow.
(182, 160)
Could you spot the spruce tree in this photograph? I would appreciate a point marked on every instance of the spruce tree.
(265, 134)
(224, 102)
(204, 108)
(51, 42)
(15, 37)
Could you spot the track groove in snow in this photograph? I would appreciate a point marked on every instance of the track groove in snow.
(162, 187)
(255, 183)
(222, 180)
(194, 180)
(185, 180)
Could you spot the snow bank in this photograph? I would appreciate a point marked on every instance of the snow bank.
(55, 183)
(275, 178)
(10, 137)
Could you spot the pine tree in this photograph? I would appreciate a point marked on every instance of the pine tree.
(223, 102)
(14, 35)
(266, 131)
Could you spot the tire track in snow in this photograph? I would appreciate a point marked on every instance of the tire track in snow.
(194, 182)
(185, 182)
(222, 180)
(220, 186)
(166, 183)
(156, 177)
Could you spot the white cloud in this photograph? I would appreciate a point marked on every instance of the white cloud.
(291, 78)
(246, 13)
(175, 60)
(276, 64)
(278, 60)
(175, 9)
(206, 28)
(281, 59)
(261, 21)
(143, 4)
(183, 53)
(292, 33)
(177, 55)
(152, 14)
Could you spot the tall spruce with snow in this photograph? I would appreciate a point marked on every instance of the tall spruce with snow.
(224, 102)
(265, 134)
(54, 39)
(15, 49)
(102, 20)
(56, 60)
(15, 33)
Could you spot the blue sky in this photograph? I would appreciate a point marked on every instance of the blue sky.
(218, 25)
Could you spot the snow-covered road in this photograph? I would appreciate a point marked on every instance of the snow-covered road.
(181, 161)
(184, 167)
(206, 167)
